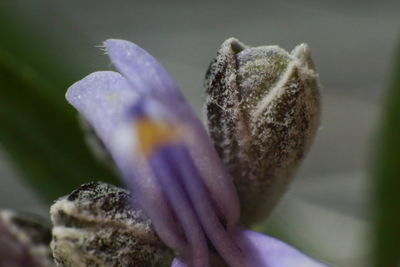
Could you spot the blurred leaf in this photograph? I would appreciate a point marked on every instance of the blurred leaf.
(40, 44)
(40, 132)
(387, 180)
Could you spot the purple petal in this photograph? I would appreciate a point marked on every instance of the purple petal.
(189, 197)
(211, 169)
(141, 69)
(162, 163)
(178, 263)
(202, 204)
(172, 164)
(264, 251)
(150, 79)
(152, 198)
(167, 160)
(104, 99)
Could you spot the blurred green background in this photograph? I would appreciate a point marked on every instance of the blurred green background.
(334, 208)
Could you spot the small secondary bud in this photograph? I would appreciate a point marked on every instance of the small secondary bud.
(97, 225)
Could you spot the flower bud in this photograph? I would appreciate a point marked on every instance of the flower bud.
(24, 241)
(97, 225)
(262, 106)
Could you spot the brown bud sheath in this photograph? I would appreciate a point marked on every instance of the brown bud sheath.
(97, 225)
(262, 106)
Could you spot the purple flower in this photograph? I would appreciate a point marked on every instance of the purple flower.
(166, 159)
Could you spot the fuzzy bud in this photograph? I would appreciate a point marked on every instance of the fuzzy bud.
(99, 225)
(262, 106)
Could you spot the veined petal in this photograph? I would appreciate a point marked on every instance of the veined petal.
(152, 198)
(161, 147)
(142, 70)
(140, 138)
(208, 215)
(265, 251)
(162, 164)
(167, 160)
(104, 99)
(211, 169)
(209, 165)
(149, 79)
(187, 194)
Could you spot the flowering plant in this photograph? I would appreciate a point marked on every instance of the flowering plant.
(189, 191)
